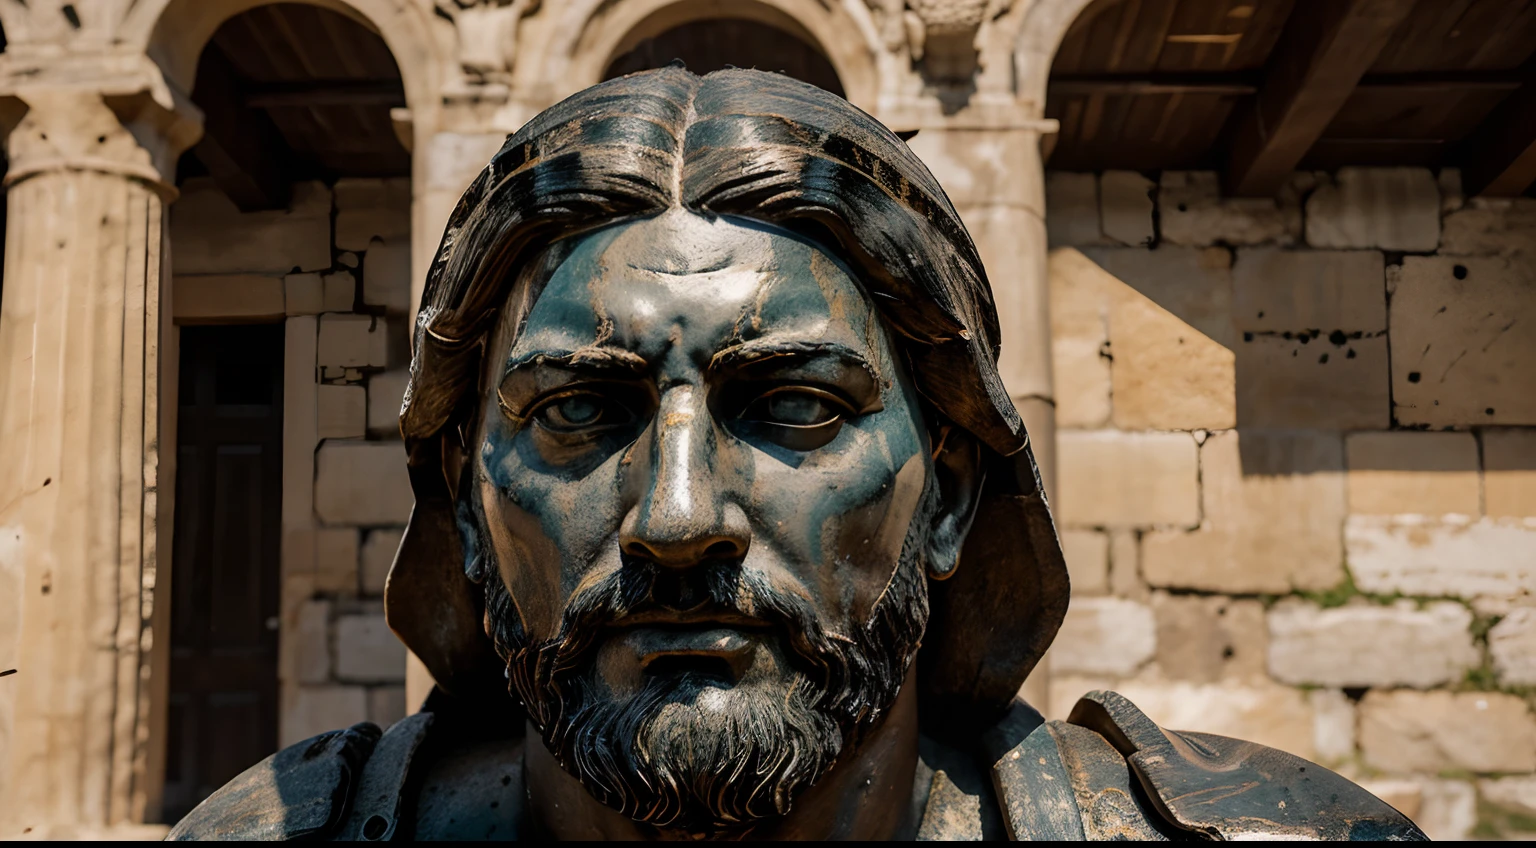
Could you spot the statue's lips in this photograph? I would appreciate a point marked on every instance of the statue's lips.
(668, 641)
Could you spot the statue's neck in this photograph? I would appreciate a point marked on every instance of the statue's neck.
(866, 796)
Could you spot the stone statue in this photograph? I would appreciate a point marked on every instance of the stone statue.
(725, 525)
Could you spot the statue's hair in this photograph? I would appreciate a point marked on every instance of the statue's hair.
(735, 142)
(765, 147)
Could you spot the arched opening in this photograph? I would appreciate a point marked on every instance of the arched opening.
(713, 44)
(290, 250)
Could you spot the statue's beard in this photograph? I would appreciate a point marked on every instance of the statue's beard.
(692, 751)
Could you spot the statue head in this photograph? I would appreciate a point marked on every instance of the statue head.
(703, 415)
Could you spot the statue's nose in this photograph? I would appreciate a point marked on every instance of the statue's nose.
(683, 518)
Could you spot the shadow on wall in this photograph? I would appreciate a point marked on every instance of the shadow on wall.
(1223, 318)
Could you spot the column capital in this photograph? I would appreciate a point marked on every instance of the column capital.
(135, 132)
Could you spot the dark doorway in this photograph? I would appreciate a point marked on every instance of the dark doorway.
(225, 578)
(710, 45)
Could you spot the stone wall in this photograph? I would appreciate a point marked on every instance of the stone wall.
(1297, 473)
(336, 268)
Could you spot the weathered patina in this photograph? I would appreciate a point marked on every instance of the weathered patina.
(725, 525)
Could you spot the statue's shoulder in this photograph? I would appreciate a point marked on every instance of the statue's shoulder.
(300, 792)
(365, 784)
(1110, 772)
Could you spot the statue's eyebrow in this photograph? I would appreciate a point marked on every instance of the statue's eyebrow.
(787, 352)
(590, 358)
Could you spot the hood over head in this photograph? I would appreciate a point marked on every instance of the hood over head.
(762, 146)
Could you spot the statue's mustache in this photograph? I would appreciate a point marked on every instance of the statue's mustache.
(723, 590)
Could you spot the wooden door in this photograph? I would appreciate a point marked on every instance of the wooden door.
(225, 579)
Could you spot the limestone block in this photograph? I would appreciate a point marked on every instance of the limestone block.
(1109, 478)
(1205, 638)
(1307, 382)
(342, 412)
(1104, 636)
(1450, 557)
(1516, 794)
(303, 294)
(1447, 809)
(1491, 227)
(1299, 290)
(336, 559)
(353, 341)
(1404, 731)
(1072, 209)
(1369, 645)
(1125, 566)
(1273, 504)
(378, 555)
(339, 291)
(311, 710)
(362, 483)
(312, 643)
(387, 276)
(1171, 336)
(233, 297)
(978, 167)
(386, 391)
(1087, 554)
(366, 650)
(1451, 198)
(1125, 207)
(1385, 208)
(1399, 472)
(1333, 724)
(1277, 716)
(211, 236)
(1405, 796)
(1509, 473)
(1081, 292)
(1010, 241)
(1193, 284)
(369, 208)
(386, 705)
(1461, 340)
(1193, 212)
(1512, 645)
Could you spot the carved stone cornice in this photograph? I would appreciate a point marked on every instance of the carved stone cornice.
(52, 127)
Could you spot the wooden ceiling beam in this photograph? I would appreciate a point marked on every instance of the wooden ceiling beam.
(327, 93)
(1327, 46)
(241, 147)
(1240, 85)
(1499, 158)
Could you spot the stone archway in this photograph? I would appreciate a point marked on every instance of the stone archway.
(589, 35)
(174, 32)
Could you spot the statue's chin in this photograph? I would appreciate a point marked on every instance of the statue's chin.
(697, 753)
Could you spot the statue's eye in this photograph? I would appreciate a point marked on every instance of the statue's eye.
(581, 410)
(796, 406)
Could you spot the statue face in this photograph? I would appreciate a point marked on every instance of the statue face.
(701, 489)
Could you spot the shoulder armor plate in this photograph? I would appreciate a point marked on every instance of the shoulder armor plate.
(1230, 789)
(300, 792)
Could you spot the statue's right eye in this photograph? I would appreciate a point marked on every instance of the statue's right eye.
(582, 410)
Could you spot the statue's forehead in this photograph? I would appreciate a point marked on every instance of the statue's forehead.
(729, 278)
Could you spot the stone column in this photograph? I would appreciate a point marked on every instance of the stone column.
(988, 160)
(84, 500)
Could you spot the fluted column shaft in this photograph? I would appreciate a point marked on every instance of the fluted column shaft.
(83, 337)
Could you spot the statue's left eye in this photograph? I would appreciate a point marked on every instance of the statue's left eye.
(582, 411)
(796, 406)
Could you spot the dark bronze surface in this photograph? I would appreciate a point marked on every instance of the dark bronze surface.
(707, 439)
